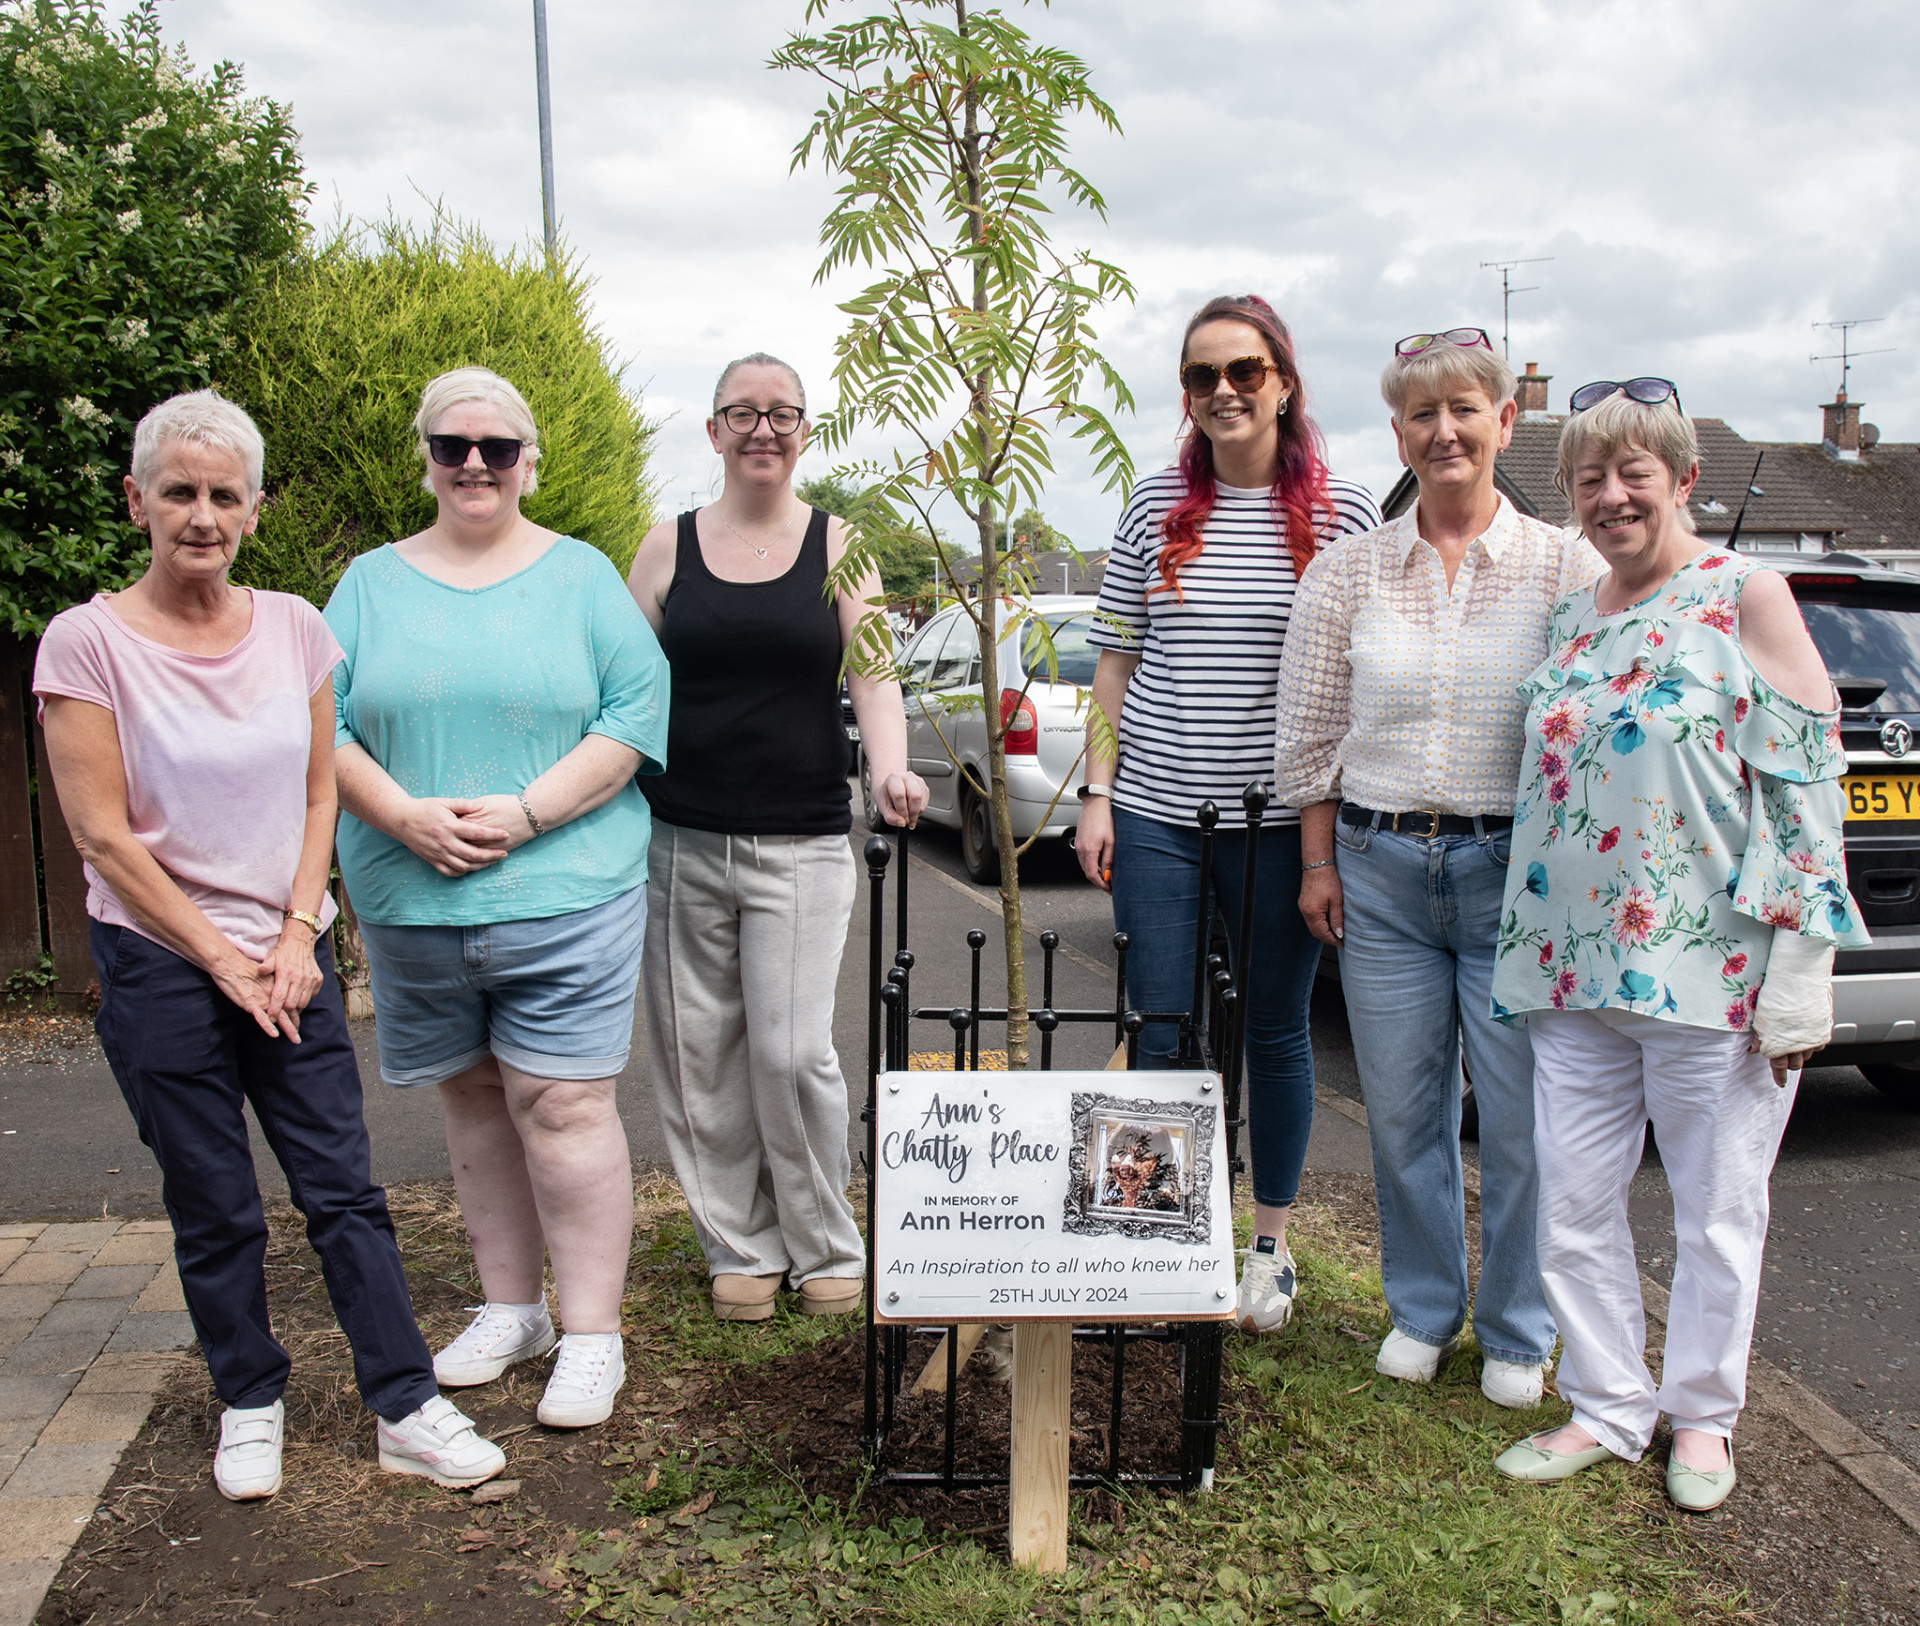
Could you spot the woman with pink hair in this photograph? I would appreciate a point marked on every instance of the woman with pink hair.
(1193, 616)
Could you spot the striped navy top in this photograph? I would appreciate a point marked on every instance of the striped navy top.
(1198, 721)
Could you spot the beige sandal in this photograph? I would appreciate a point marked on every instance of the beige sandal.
(744, 1298)
(831, 1295)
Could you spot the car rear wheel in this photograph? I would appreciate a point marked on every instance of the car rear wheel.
(978, 849)
(1898, 1081)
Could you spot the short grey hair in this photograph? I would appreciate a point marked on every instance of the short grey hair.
(759, 358)
(464, 384)
(1442, 364)
(1661, 431)
(199, 418)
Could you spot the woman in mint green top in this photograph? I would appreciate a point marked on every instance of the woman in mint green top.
(1676, 892)
(429, 692)
(499, 693)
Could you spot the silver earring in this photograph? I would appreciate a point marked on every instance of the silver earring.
(1285, 401)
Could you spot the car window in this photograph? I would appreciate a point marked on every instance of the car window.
(924, 651)
(1865, 645)
(1075, 655)
(956, 655)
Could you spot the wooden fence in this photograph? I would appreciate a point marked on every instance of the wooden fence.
(43, 894)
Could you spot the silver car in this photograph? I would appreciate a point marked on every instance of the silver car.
(947, 742)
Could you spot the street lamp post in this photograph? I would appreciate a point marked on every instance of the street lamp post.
(546, 121)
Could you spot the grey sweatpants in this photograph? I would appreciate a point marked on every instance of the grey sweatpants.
(744, 936)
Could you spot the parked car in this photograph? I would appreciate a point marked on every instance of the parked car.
(1865, 619)
(897, 624)
(947, 741)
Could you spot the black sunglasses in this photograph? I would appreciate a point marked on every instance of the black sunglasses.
(452, 451)
(1246, 374)
(1647, 391)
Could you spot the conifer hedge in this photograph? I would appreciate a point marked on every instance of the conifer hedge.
(340, 344)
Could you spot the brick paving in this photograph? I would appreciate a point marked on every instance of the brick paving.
(91, 1323)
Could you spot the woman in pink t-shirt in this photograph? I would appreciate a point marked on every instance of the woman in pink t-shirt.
(189, 728)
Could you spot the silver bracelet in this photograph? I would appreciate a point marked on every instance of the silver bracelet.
(526, 807)
(1318, 863)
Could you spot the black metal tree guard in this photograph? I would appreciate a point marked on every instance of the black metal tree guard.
(1211, 1034)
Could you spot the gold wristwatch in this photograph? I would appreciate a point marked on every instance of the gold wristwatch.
(311, 922)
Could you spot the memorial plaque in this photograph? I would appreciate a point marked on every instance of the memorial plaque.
(1096, 1196)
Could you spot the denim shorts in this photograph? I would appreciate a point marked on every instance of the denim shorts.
(552, 997)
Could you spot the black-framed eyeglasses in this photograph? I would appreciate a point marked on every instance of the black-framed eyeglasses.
(1647, 391)
(452, 451)
(1247, 374)
(743, 420)
(1465, 338)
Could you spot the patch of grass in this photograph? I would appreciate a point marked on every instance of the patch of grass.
(1339, 1496)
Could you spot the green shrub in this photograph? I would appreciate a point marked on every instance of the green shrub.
(138, 206)
(332, 368)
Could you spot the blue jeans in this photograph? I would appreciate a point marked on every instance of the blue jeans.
(1157, 888)
(1422, 919)
(189, 1062)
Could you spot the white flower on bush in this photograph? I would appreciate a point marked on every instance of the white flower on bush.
(294, 190)
(31, 66)
(121, 154)
(156, 120)
(69, 47)
(51, 148)
(11, 459)
(193, 221)
(91, 472)
(127, 332)
(228, 152)
(167, 73)
(80, 407)
(56, 199)
(128, 222)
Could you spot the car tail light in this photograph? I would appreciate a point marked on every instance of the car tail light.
(1021, 722)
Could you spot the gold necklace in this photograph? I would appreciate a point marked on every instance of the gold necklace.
(759, 552)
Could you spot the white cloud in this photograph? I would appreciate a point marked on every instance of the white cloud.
(1709, 180)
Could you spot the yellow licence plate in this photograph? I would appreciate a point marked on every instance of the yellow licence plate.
(1881, 796)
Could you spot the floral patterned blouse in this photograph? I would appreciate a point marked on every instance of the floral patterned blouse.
(1673, 810)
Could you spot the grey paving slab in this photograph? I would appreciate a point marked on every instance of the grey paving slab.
(23, 1584)
(152, 1330)
(50, 1470)
(50, 1356)
(73, 1316)
(12, 1332)
(87, 1237)
(39, 1269)
(111, 1282)
(34, 1398)
(29, 1301)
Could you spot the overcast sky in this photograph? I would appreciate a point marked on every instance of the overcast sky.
(1710, 180)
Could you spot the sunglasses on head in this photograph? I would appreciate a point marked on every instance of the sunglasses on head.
(1647, 391)
(1247, 374)
(452, 451)
(1466, 338)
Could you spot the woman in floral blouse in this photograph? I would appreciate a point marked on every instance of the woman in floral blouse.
(1676, 893)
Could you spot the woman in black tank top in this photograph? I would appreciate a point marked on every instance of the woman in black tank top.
(751, 875)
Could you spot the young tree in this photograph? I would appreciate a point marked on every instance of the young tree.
(905, 559)
(140, 208)
(947, 127)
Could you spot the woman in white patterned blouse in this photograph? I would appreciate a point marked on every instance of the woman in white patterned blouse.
(1399, 738)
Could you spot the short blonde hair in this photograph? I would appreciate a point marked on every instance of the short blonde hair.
(200, 418)
(463, 384)
(1661, 431)
(1442, 364)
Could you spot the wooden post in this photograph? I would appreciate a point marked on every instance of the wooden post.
(933, 1376)
(1042, 1420)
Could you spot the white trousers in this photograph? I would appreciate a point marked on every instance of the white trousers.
(744, 936)
(1599, 1077)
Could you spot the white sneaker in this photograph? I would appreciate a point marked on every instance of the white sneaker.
(439, 1441)
(1512, 1384)
(1410, 1360)
(587, 1373)
(246, 1468)
(1267, 1288)
(497, 1337)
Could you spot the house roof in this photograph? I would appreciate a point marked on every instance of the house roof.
(1872, 504)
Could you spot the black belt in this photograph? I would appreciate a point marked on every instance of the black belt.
(1425, 825)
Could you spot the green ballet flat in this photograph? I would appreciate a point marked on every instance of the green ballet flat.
(1695, 1492)
(1528, 1462)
